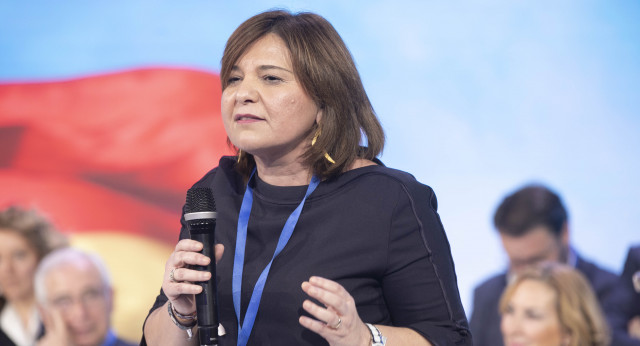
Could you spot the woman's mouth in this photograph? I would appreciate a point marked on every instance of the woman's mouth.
(246, 118)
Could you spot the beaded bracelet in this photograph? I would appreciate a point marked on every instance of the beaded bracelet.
(190, 317)
(193, 318)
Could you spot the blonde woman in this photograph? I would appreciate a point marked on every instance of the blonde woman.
(552, 304)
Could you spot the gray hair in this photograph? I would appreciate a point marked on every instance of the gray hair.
(66, 256)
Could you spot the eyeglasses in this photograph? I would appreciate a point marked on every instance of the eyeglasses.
(88, 298)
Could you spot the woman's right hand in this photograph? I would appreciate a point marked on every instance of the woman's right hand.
(181, 288)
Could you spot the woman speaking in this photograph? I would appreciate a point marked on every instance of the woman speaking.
(365, 259)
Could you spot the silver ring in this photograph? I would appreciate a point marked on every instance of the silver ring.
(171, 275)
(337, 324)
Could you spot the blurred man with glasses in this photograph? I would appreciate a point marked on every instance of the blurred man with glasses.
(74, 292)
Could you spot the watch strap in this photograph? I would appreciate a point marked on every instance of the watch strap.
(377, 339)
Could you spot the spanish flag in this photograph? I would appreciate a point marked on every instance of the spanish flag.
(109, 158)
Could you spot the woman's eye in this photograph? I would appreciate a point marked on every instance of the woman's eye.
(20, 255)
(508, 310)
(232, 80)
(533, 315)
(271, 78)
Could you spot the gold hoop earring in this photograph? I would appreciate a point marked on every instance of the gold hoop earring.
(329, 158)
(326, 155)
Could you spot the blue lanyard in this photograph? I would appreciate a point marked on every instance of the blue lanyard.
(244, 329)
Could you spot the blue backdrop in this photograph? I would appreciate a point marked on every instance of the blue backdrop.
(477, 97)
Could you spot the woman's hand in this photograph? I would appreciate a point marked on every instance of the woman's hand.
(178, 284)
(338, 321)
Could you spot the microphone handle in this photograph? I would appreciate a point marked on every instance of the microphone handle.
(203, 230)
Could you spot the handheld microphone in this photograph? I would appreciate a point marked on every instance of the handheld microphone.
(200, 215)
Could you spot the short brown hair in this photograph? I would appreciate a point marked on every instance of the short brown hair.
(530, 206)
(34, 227)
(325, 69)
(578, 309)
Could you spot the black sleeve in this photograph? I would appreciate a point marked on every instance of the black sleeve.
(420, 285)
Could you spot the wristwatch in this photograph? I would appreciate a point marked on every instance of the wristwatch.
(377, 339)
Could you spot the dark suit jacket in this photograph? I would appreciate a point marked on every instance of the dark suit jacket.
(485, 319)
(624, 303)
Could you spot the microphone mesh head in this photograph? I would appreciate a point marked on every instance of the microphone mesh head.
(199, 199)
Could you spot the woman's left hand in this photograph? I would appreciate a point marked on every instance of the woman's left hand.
(338, 321)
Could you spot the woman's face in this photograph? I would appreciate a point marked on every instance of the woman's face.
(531, 317)
(265, 110)
(18, 263)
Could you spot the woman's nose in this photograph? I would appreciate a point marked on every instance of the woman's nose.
(5, 266)
(246, 92)
(510, 325)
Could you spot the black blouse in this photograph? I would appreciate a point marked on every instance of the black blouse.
(374, 230)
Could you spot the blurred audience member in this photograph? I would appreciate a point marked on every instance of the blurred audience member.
(25, 238)
(74, 291)
(623, 306)
(533, 226)
(552, 304)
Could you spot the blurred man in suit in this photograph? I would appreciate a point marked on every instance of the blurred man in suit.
(533, 226)
(623, 306)
(74, 291)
